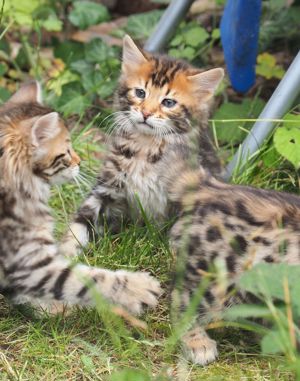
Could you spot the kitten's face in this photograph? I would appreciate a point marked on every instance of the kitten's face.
(159, 95)
(35, 140)
(53, 157)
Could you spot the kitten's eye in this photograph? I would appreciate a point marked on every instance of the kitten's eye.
(140, 93)
(167, 102)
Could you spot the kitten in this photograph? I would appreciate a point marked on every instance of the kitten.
(228, 225)
(159, 101)
(36, 152)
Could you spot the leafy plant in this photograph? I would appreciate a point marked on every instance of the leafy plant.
(236, 128)
(87, 13)
(267, 67)
(190, 40)
(140, 26)
(92, 70)
(287, 139)
(279, 306)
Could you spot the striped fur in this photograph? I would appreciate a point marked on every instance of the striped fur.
(36, 152)
(229, 227)
(146, 132)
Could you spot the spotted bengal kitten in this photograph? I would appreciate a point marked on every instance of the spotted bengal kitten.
(229, 227)
(36, 152)
(162, 104)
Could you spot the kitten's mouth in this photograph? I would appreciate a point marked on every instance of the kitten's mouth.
(145, 125)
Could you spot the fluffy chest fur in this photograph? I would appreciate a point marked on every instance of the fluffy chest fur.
(138, 164)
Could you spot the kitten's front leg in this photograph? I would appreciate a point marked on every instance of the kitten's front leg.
(105, 205)
(53, 279)
(81, 229)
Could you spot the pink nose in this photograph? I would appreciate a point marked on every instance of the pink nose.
(146, 114)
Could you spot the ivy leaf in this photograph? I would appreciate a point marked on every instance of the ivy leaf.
(98, 51)
(266, 66)
(287, 141)
(69, 51)
(87, 13)
(141, 25)
(72, 100)
(52, 24)
(195, 36)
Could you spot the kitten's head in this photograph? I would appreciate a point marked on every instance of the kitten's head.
(35, 145)
(159, 95)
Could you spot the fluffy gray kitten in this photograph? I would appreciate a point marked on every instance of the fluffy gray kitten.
(163, 105)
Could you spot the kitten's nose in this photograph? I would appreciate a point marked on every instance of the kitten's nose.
(146, 114)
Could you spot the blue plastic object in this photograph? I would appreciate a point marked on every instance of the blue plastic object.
(239, 35)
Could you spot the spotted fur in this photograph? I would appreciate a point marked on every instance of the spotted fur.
(235, 227)
(36, 152)
(146, 131)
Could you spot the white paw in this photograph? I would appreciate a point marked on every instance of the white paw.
(74, 241)
(137, 290)
(199, 348)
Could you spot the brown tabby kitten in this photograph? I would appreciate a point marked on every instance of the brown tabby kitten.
(228, 225)
(36, 152)
(159, 101)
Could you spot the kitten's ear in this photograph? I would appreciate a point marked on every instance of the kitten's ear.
(44, 128)
(208, 81)
(28, 93)
(132, 55)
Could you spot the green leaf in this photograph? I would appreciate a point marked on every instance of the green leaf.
(195, 36)
(236, 131)
(52, 24)
(141, 25)
(216, 34)
(69, 51)
(91, 80)
(4, 94)
(107, 87)
(275, 342)
(266, 66)
(72, 100)
(247, 311)
(287, 140)
(98, 51)
(87, 13)
(177, 40)
(187, 53)
(3, 68)
(260, 282)
(82, 66)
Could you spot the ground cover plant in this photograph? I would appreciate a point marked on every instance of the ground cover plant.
(73, 48)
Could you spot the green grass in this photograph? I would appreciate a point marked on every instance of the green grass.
(92, 345)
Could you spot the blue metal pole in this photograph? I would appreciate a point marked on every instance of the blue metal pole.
(279, 103)
(166, 26)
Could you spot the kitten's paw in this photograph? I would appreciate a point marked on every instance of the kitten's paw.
(199, 348)
(136, 290)
(74, 241)
(69, 248)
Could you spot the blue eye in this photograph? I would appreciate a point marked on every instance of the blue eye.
(140, 93)
(167, 102)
